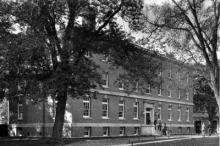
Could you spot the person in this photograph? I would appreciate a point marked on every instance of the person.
(155, 124)
(159, 126)
(209, 129)
(203, 129)
(164, 129)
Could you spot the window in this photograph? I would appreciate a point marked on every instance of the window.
(122, 131)
(121, 85)
(121, 109)
(135, 107)
(136, 130)
(160, 71)
(136, 86)
(159, 113)
(105, 80)
(87, 132)
(105, 58)
(105, 131)
(187, 113)
(170, 91)
(105, 105)
(170, 113)
(187, 95)
(88, 54)
(86, 107)
(20, 111)
(187, 78)
(178, 76)
(148, 89)
(170, 72)
(159, 90)
(179, 113)
(179, 93)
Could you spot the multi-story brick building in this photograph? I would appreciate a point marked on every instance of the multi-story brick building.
(115, 112)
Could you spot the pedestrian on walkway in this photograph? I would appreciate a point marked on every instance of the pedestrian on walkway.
(159, 125)
(155, 124)
(203, 129)
(164, 129)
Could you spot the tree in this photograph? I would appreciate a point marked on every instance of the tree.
(192, 26)
(50, 50)
(204, 98)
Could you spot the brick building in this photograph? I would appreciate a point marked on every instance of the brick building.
(114, 112)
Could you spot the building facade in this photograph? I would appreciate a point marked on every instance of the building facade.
(113, 111)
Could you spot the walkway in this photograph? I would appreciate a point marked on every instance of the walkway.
(129, 141)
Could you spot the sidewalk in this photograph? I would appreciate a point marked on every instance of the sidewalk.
(128, 141)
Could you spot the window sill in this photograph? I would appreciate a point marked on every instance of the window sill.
(87, 117)
(170, 120)
(104, 86)
(170, 96)
(121, 89)
(136, 119)
(178, 120)
(105, 118)
(121, 118)
(159, 94)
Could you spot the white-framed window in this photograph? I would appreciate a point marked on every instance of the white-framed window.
(105, 131)
(88, 54)
(148, 89)
(121, 106)
(86, 107)
(160, 71)
(136, 110)
(136, 130)
(159, 89)
(159, 112)
(170, 112)
(105, 107)
(178, 76)
(121, 85)
(170, 91)
(20, 111)
(136, 86)
(179, 93)
(187, 78)
(122, 131)
(170, 72)
(105, 79)
(87, 132)
(179, 113)
(187, 95)
(105, 58)
(187, 114)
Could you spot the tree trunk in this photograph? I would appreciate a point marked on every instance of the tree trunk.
(59, 118)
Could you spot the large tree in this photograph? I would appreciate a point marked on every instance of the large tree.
(49, 52)
(191, 26)
(204, 99)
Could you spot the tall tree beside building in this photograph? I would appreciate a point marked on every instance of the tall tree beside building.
(193, 27)
(204, 99)
(49, 52)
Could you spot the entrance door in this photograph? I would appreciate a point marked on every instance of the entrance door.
(198, 126)
(148, 116)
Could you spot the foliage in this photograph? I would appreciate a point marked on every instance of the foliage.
(204, 98)
(193, 28)
(48, 54)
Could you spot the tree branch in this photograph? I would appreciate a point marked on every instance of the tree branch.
(110, 17)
